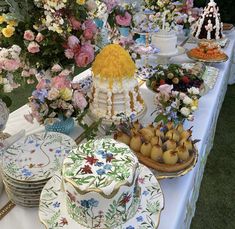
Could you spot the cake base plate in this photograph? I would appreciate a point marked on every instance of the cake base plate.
(164, 58)
(109, 122)
(53, 212)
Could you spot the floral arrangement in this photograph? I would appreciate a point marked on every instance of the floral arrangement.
(164, 10)
(176, 106)
(9, 63)
(115, 17)
(189, 14)
(47, 33)
(56, 98)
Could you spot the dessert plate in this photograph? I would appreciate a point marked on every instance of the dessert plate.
(166, 175)
(219, 60)
(36, 157)
(53, 213)
(106, 122)
(20, 184)
(209, 76)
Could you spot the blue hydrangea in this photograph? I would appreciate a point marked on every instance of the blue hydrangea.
(40, 95)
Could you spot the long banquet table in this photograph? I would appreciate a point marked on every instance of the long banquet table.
(180, 194)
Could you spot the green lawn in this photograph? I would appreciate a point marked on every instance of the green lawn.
(216, 204)
(20, 96)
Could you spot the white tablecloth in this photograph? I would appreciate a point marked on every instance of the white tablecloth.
(180, 194)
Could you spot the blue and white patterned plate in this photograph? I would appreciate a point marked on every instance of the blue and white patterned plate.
(53, 213)
(36, 157)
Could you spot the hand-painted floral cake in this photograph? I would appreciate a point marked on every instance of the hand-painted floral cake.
(209, 25)
(100, 182)
(115, 90)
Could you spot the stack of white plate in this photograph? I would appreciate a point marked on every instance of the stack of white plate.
(29, 163)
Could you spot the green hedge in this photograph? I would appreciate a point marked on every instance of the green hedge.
(227, 9)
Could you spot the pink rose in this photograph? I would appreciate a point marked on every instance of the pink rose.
(123, 20)
(76, 86)
(53, 94)
(76, 25)
(89, 24)
(85, 57)
(29, 35)
(32, 71)
(11, 65)
(65, 73)
(78, 100)
(39, 37)
(189, 3)
(60, 82)
(30, 81)
(25, 73)
(165, 88)
(73, 41)
(42, 84)
(33, 47)
(88, 34)
(56, 68)
(69, 53)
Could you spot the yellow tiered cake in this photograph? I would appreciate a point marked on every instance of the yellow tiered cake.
(115, 90)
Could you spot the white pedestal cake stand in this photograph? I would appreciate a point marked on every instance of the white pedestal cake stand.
(165, 58)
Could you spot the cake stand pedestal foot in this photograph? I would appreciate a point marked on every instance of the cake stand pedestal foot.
(163, 60)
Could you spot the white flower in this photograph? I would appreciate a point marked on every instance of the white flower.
(56, 68)
(5, 81)
(190, 118)
(194, 91)
(193, 108)
(4, 53)
(49, 19)
(16, 48)
(187, 100)
(185, 111)
(7, 88)
(91, 5)
(176, 104)
(134, 55)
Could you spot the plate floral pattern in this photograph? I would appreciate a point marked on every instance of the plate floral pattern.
(111, 163)
(53, 212)
(36, 157)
